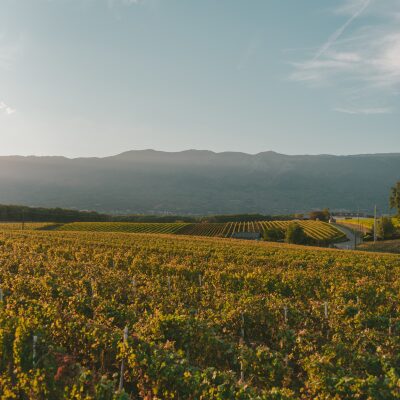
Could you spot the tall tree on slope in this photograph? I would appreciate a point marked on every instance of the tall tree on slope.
(395, 198)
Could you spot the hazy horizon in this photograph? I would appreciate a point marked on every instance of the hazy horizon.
(198, 150)
(92, 78)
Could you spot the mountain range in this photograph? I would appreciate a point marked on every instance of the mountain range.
(201, 182)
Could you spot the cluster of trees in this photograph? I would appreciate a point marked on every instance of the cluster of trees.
(294, 234)
(35, 214)
(323, 215)
(16, 213)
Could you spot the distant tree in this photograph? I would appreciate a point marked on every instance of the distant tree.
(395, 198)
(274, 234)
(323, 215)
(295, 234)
(385, 228)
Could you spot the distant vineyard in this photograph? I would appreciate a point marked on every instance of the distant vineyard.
(14, 226)
(318, 231)
(128, 227)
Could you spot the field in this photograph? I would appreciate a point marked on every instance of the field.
(206, 318)
(367, 223)
(319, 231)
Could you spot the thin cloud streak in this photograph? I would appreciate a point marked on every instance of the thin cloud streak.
(336, 35)
(364, 111)
(368, 58)
(5, 108)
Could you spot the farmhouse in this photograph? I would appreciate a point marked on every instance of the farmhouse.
(247, 235)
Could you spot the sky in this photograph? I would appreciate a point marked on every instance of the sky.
(99, 77)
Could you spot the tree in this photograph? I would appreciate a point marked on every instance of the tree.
(295, 234)
(323, 215)
(385, 228)
(274, 234)
(395, 198)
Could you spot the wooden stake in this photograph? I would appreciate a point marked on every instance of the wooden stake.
(134, 285)
(121, 377)
(34, 343)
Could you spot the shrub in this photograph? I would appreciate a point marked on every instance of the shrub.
(295, 234)
(274, 234)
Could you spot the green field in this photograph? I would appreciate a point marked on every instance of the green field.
(319, 231)
(207, 318)
(367, 223)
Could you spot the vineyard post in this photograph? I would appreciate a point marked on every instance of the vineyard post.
(326, 309)
(121, 377)
(169, 283)
(242, 343)
(200, 280)
(285, 314)
(1, 295)
(134, 286)
(34, 343)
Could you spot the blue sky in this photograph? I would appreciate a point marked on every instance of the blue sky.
(98, 77)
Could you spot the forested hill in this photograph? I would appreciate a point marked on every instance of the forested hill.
(200, 182)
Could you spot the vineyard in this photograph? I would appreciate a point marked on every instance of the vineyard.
(319, 231)
(128, 227)
(14, 226)
(85, 315)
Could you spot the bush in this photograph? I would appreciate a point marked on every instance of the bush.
(295, 234)
(274, 235)
(385, 228)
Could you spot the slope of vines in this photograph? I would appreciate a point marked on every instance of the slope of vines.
(16, 226)
(129, 227)
(205, 319)
(319, 231)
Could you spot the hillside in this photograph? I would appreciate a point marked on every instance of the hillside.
(200, 182)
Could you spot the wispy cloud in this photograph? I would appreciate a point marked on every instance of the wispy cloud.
(112, 3)
(6, 109)
(366, 55)
(339, 32)
(364, 111)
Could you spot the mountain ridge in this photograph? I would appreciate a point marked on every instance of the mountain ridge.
(200, 182)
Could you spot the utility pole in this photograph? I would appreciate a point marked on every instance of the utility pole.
(375, 225)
